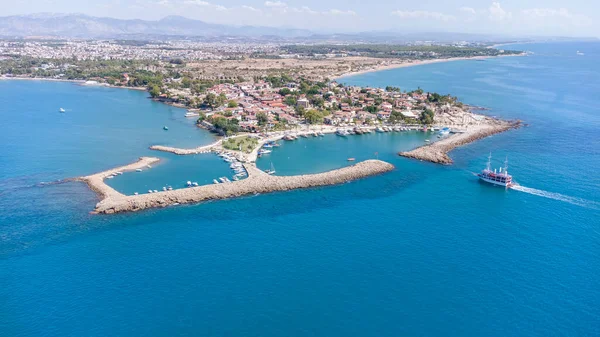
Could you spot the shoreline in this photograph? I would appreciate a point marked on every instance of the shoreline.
(80, 82)
(258, 181)
(417, 63)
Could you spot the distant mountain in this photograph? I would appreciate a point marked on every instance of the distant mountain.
(84, 26)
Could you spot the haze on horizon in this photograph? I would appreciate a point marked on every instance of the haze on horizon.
(577, 18)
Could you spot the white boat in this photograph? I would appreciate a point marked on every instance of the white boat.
(164, 188)
(215, 181)
(342, 133)
(155, 191)
(192, 114)
(222, 179)
(499, 178)
(138, 170)
(261, 152)
(149, 191)
(135, 193)
(62, 110)
(379, 129)
(194, 184)
(271, 170)
(235, 178)
(321, 134)
(169, 188)
(189, 183)
(110, 177)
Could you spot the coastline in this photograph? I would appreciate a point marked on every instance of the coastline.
(417, 63)
(80, 82)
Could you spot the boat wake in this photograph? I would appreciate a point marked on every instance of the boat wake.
(557, 196)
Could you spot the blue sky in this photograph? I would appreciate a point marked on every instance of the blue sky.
(514, 17)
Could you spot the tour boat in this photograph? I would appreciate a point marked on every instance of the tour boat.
(62, 110)
(500, 178)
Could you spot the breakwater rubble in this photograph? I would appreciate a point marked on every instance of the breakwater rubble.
(437, 152)
(257, 182)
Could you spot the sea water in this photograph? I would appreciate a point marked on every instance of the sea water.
(423, 250)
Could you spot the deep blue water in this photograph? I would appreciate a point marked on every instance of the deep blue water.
(422, 251)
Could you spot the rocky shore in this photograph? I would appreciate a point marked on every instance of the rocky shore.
(438, 152)
(257, 182)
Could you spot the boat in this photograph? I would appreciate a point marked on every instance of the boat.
(215, 181)
(444, 131)
(188, 183)
(138, 170)
(426, 140)
(351, 159)
(303, 135)
(164, 188)
(288, 137)
(149, 191)
(194, 184)
(155, 191)
(110, 177)
(261, 152)
(169, 188)
(498, 178)
(580, 53)
(271, 170)
(135, 193)
(165, 128)
(192, 114)
(321, 134)
(222, 179)
(342, 133)
(235, 178)
(62, 110)
(379, 129)
(268, 146)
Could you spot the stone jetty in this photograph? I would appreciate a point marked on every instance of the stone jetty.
(257, 182)
(96, 181)
(437, 152)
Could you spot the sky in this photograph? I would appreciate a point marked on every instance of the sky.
(503, 17)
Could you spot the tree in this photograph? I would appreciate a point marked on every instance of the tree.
(154, 91)
(221, 99)
(427, 116)
(313, 116)
(285, 91)
(262, 118)
(290, 101)
(210, 99)
(232, 104)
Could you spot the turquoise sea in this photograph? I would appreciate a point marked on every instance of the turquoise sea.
(425, 250)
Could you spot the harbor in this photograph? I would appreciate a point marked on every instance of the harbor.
(257, 182)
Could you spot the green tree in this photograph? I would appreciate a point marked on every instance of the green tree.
(221, 99)
(232, 104)
(154, 91)
(262, 118)
(285, 91)
(210, 99)
(427, 116)
(313, 116)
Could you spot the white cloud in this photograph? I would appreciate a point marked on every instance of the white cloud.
(339, 12)
(275, 4)
(423, 15)
(250, 8)
(468, 10)
(560, 16)
(197, 2)
(497, 13)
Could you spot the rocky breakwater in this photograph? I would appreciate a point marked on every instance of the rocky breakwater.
(438, 152)
(257, 182)
(96, 181)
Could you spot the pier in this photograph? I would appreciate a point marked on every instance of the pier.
(437, 152)
(257, 182)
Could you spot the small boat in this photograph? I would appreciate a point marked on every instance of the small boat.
(138, 170)
(444, 131)
(341, 133)
(192, 114)
(119, 172)
(165, 128)
(271, 170)
(222, 179)
(268, 146)
(135, 193)
(110, 177)
(164, 188)
(215, 181)
(61, 110)
(261, 152)
(321, 134)
(169, 188)
(303, 135)
(194, 184)
(188, 183)
(155, 191)
(235, 178)
(426, 140)
(149, 191)
(351, 159)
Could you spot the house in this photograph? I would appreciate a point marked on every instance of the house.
(302, 102)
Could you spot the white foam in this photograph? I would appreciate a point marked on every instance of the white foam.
(557, 196)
